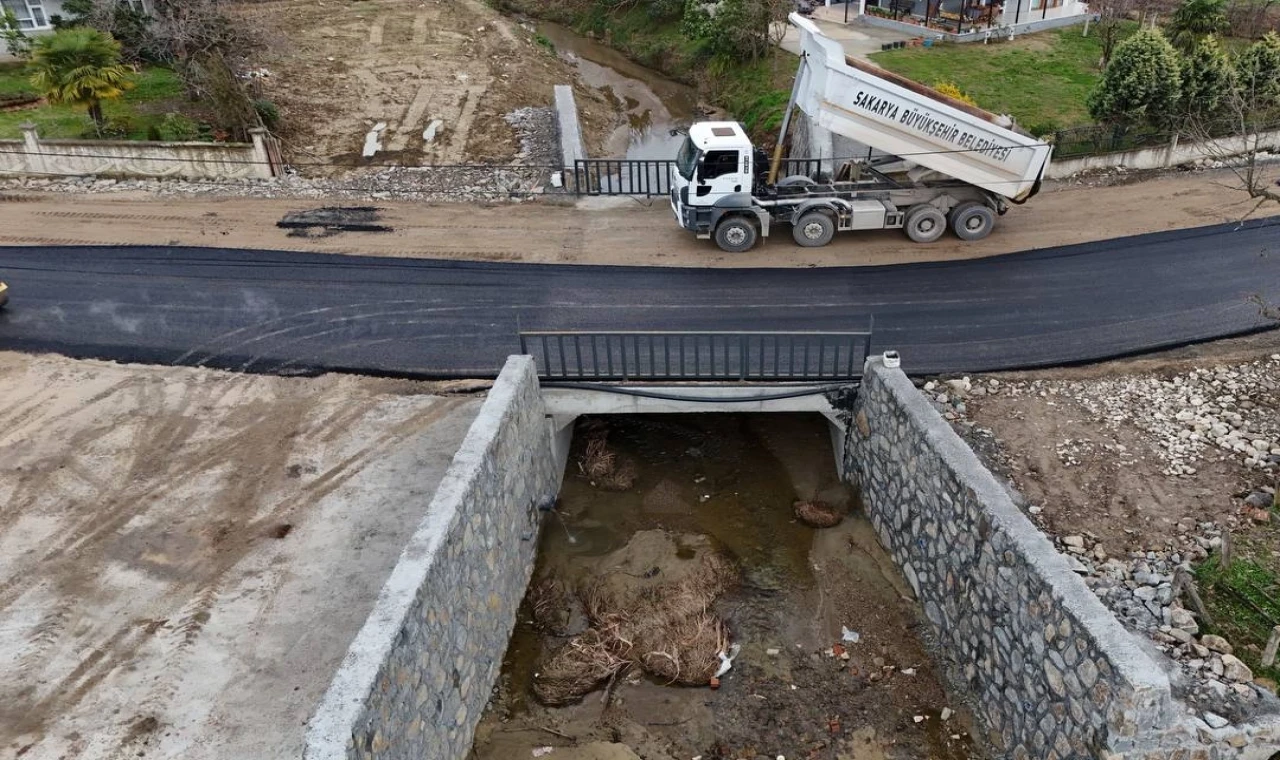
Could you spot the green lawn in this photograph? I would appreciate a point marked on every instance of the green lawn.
(1042, 79)
(158, 91)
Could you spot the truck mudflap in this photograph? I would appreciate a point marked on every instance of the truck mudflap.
(738, 204)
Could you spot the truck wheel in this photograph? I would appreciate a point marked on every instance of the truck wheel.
(925, 224)
(972, 221)
(796, 180)
(736, 234)
(813, 229)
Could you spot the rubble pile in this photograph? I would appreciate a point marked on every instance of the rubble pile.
(1140, 589)
(529, 177)
(1223, 411)
(442, 183)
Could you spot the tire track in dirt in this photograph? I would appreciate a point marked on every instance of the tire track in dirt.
(166, 455)
(240, 542)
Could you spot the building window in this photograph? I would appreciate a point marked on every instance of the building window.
(30, 13)
(1038, 5)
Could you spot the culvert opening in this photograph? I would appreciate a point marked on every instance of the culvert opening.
(677, 537)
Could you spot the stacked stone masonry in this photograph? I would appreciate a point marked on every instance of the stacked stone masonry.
(419, 673)
(1053, 674)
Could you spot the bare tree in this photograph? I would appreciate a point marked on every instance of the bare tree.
(1245, 120)
(1236, 136)
(1111, 15)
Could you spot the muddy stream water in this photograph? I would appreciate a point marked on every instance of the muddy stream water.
(682, 488)
(652, 104)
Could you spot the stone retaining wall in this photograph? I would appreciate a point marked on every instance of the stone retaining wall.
(1053, 674)
(418, 675)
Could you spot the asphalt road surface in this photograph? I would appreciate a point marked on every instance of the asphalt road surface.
(286, 312)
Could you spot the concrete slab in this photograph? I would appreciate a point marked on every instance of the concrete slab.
(858, 40)
(185, 555)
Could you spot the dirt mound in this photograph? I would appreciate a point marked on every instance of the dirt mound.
(649, 606)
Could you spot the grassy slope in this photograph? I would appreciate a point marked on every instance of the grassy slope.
(1041, 79)
(1245, 599)
(142, 106)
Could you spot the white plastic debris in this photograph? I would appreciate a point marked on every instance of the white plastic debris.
(542, 751)
(726, 660)
(918, 719)
(773, 652)
(947, 712)
(849, 636)
(908, 671)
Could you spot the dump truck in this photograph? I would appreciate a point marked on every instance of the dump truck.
(933, 162)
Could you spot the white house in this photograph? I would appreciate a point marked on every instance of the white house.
(34, 15)
(1030, 11)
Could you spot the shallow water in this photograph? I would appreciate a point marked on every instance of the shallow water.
(653, 104)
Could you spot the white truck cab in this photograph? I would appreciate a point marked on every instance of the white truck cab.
(714, 170)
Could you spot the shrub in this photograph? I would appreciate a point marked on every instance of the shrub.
(116, 128)
(951, 90)
(268, 112)
(15, 40)
(1141, 84)
(176, 127)
(1258, 71)
(1208, 80)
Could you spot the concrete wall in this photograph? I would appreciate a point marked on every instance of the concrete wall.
(1175, 153)
(120, 158)
(571, 145)
(419, 673)
(1053, 673)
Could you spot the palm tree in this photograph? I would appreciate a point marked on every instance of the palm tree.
(80, 66)
(1194, 20)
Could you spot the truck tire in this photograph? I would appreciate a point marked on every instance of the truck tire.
(736, 234)
(925, 223)
(972, 220)
(813, 229)
(796, 180)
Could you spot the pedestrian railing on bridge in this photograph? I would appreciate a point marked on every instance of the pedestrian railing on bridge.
(737, 356)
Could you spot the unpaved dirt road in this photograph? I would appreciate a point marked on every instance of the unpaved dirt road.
(619, 231)
(338, 69)
(186, 554)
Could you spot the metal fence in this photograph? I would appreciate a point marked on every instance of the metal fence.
(756, 356)
(621, 176)
(1095, 140)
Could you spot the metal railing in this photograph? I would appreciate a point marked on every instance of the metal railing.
(1096, 140)
(621, 176)
(739, 356)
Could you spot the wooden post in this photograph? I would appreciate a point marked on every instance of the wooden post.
(1224, 551)
(1269, 653)
(1182, 581)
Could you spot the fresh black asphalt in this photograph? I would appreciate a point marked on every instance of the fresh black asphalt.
(286, 312)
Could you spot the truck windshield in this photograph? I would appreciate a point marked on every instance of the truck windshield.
(687, 159)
